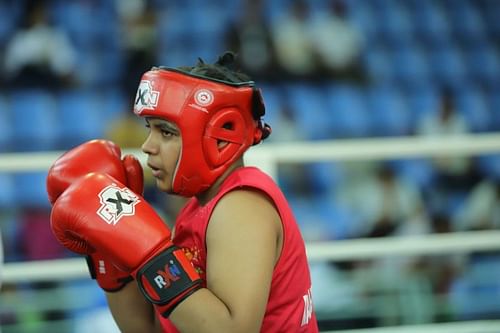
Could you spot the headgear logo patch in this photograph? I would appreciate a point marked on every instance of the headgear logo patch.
(203, 97)
(115, 203)
(146, 97)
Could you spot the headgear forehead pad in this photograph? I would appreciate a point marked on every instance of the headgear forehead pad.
(207, 111)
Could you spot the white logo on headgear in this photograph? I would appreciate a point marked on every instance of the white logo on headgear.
(115, 203)
(146, 97)
(203, 97)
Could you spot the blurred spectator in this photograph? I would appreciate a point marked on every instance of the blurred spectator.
(38, 54)
(139, 41)
(295, 51)
(443, 271)
(481, 210)
(383, 202)
(249, 37)
(338, 43)
(445, 122)
(455, 175)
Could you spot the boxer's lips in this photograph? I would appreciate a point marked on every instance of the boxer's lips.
(155, 171)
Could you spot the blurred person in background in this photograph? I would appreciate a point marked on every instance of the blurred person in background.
(249, 36)
(454, 175)
(296, 53)
(338, 43)
(38, 55)
(481, 210)
(383, 202)
(137, 20)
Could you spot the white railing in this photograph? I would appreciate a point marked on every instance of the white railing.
(464, 242)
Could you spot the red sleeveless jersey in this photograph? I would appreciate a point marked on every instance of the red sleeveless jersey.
(289, 308)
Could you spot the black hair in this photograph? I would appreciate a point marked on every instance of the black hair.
(224, 69)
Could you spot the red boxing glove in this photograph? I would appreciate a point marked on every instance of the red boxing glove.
(97, 213)
(94, 156)
(97, 156)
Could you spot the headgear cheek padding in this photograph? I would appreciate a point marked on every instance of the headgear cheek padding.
(214, 118)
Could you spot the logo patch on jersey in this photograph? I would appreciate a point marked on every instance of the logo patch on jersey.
(146, 97)
(115, 203)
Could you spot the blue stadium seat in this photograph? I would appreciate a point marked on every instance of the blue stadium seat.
(30, 189)
(394, 25)
(379, 67)
(466, 22)
(80, 116)
(418, 171)
(493, 98)
(7, 191)
(272, 100)
(411, 68)
(324, 178)
(99, 68)
(6, 130)
(113, 104)
(430, 23)
(348, 115)
(471, 103)
(447, 65)
(490, 15)
(309, 108)
(421, 101)
(173, 32)
(176, 56)
(321, 220)
(388, 112)
(477, 284)
(88, 25)
(484, 65)
(274, 9)
(489, 166)
(10, 12)
(33, 120)
(362, 16)
(336, 221)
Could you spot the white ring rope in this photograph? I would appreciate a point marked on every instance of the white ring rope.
(303, 152)
(464, 242)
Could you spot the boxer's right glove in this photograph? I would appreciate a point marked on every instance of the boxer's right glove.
(98, 213)
(97, 156)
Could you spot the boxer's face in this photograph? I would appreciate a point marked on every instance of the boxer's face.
(163, 147)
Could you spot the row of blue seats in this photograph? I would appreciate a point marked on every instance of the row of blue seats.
(446, 65)
(39, 120)
(90, 23)
(95, 29)
(32, 120)
(343, 111)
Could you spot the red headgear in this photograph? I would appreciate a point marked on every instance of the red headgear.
(206, 111)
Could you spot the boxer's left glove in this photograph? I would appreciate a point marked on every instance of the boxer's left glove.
(97, 156)
(97, 213)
